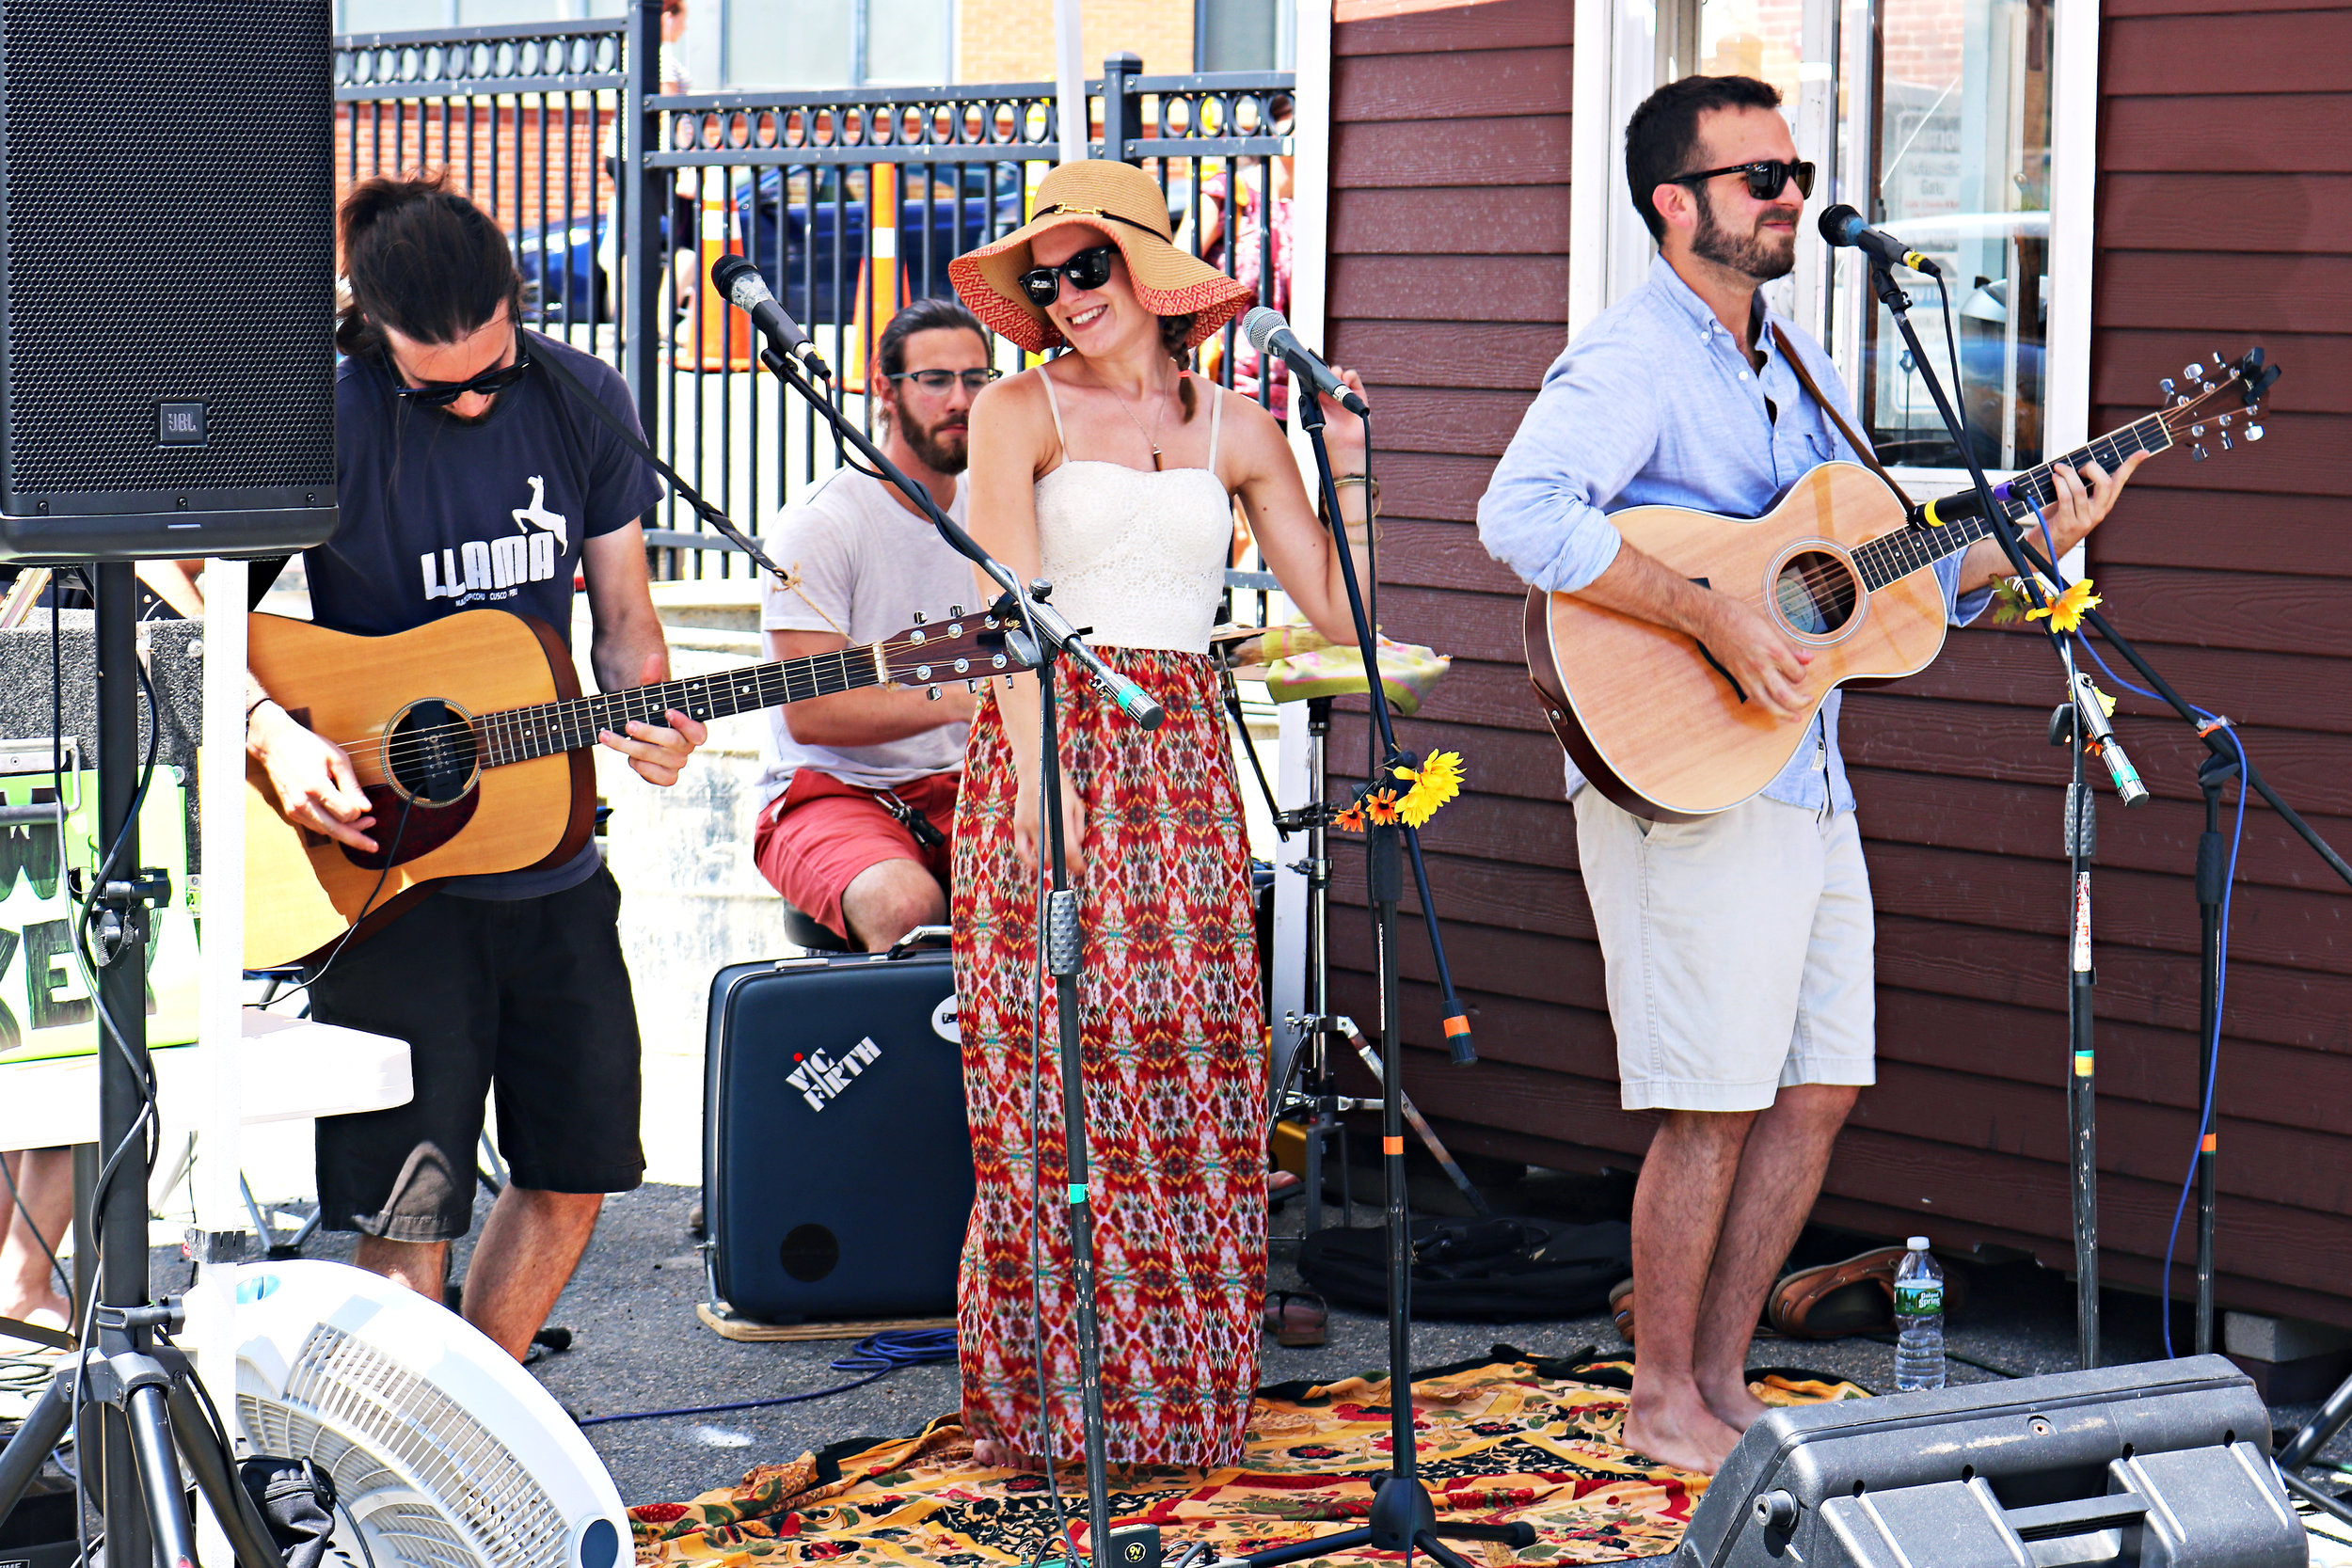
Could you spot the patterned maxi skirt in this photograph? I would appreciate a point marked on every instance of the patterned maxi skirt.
(1174, 1067)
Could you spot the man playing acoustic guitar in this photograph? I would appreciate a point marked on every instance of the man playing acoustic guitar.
(1738, 946)
(466, 479)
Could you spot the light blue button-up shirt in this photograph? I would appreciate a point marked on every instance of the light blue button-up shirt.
(1655, 404)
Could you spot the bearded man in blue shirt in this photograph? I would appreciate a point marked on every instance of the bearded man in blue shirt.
(1737, 947)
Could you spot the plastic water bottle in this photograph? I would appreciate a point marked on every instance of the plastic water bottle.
(1919, 1320)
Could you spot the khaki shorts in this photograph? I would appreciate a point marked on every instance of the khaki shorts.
(1738, 951)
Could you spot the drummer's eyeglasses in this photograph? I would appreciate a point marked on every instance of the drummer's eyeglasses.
(939, 381)
(1766, 180)
(1088, 269)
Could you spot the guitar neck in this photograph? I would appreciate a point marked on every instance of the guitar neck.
(1913, 549)
(520, 733)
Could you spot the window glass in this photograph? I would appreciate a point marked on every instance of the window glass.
(906, 42)
(789, 43)
(391, 16)
(1237, 35)
(1957, 157)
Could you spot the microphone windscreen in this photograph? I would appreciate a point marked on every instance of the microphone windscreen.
(727, 270)
(1838, 224)
(1261, 325)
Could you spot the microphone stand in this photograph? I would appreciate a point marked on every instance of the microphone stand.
(1037, 635)
(1404, 1517)
(2079, 722)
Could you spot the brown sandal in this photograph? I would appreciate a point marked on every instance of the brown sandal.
(1621, 1308)
(1298, 1320)
(1834, 1300)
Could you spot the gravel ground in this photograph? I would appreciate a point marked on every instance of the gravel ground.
(637, 1344)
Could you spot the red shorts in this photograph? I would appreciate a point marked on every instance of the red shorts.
(817, 837)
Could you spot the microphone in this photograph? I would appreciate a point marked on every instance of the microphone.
(736, 278)
(1269, 333)
(1842, 226)
(2099, 740)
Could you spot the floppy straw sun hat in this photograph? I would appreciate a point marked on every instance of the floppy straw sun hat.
(1125, 203)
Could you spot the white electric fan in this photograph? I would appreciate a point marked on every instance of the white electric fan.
(444, 1453)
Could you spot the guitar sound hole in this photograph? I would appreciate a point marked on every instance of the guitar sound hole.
(429, 752)
(1815, 592)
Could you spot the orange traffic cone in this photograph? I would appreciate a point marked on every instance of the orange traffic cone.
(716, 335)
(881, 285)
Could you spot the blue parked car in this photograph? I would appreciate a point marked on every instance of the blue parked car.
(803, 227)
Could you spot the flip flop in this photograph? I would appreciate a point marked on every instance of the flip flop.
(1621, 1308)
(1298, 1318)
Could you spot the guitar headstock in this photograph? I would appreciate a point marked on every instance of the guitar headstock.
(959, 646)
(2200, 398)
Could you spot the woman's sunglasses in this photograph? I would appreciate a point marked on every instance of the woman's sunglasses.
(1765, 180)
(1088, 269)
(440, 394)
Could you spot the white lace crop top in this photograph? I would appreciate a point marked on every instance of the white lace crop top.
(1137, 556)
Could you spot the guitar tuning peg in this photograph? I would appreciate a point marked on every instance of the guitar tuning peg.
(2167, 386)
(930, 693)
(973, 687)
(2254, 433)
(921, 619)
(2193, 370)
(2225, 421)
(953, 610)
(2225, 443)
(2219, 361)
(2197, 452)
(2197, 430)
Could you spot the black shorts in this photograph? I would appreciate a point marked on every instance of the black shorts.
(526, 995)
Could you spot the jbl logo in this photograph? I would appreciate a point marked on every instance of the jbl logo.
(820, 1077)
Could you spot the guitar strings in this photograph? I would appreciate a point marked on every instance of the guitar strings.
(389, 751)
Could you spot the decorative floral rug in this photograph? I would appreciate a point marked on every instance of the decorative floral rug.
(1512, 1436)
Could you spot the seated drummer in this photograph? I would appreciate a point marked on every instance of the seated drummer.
(861, 786)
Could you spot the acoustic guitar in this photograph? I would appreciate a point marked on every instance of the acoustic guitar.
(1841, 566)
(472, 740)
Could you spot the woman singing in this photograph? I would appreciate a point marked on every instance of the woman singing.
(1112, 472)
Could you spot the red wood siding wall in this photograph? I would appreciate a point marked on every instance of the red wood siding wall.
(2224, 195)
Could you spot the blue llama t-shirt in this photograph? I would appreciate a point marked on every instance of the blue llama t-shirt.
(440, 515)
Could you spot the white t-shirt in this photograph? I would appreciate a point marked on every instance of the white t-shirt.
(870, 566)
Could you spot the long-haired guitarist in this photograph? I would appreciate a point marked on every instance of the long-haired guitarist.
(1737, 947)
(466, 480)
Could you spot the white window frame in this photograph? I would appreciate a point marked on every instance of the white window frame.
(1610, 249)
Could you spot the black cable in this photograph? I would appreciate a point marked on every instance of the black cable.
(878, 1356)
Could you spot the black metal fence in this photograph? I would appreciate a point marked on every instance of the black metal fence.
(618, 197)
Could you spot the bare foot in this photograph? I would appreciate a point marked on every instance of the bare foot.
(1733, 1404)
(47, 1311)
(1682, 1433)
(994, 1454)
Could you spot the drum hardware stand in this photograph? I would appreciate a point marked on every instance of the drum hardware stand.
(152, 1418)
(1403, 1516)
(1035, 636)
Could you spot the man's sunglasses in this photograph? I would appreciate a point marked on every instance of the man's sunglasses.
(1765, 180)
(440, 394)
(1088, 269)
(939, 381)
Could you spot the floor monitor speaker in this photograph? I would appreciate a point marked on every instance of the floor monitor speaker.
(2164, 1464)
(167, 278)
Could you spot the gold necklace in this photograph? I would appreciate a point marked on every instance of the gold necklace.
(1150, 438)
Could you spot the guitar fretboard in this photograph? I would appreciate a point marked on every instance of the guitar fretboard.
(520, 733)
(1896, 555)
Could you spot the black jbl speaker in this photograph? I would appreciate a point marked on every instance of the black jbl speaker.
(2164, 1464)
(167, 278)
(836, 1160)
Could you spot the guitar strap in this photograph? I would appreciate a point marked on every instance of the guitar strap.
(1853, 437)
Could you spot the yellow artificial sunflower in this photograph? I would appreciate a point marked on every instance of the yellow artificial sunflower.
(1435, 782)
(2066, 612)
